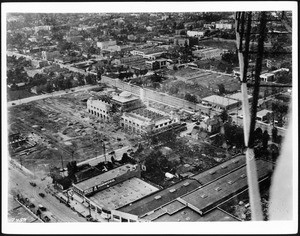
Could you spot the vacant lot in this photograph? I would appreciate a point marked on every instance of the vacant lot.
(62, 130)
(201, 83)
(223, 44)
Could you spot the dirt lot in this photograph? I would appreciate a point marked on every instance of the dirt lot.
(199, 82)
(62, 130)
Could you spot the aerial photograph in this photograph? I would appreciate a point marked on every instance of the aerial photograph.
(150, 116)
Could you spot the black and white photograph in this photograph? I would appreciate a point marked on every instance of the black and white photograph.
(149, 117)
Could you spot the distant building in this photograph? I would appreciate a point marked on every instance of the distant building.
(156, 64)
(263, 115)
(224, 26)
(196, 33)
(208, 53)
(149, 53)
(181, 41)
(211, 125)
(220, 103)
(107, 45)
(76, 38)
(272, 76)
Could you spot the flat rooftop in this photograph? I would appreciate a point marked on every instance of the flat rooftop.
(123, 193)
(208, 197)
(104, 177)
(157, 199)
(263, 113)
(238, 96)
(186, 214)
(215, 99)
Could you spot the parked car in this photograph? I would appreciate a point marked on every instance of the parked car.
(42, 195)
(13, 104)
(33, 184)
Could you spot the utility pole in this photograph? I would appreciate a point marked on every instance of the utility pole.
(62, 163)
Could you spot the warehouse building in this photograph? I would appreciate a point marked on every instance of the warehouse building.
(220, 103)
(197, 198)
(113, 189)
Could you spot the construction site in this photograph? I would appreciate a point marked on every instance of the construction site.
(57, 130)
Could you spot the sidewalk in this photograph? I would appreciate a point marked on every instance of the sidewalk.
(75, 203)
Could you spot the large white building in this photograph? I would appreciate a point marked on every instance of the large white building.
(99, 108)
(208, 53)
(149, 53)
(110, 45)
(145, 120)
(195, 33)
(224, 26)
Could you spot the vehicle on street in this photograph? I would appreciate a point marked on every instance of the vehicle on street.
(42, 195)
(33, 184)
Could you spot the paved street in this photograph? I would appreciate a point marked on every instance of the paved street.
(101, 158)
(19, 183)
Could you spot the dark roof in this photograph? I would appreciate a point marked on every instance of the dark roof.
(206, 198)
(151, 202)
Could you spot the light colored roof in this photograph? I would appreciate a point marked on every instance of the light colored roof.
(263, 113)
(123, 193)
(215, 99)
(121, 98)
(238, 96)
(125, 94)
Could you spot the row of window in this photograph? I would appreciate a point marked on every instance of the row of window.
(96, 108)
(161, 125)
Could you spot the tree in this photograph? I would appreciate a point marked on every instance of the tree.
(258, 134)
(49, 87)
(222, 89)
(274, 134)
(190, 98)
(224, 116)
(72, 169)
(265, 139)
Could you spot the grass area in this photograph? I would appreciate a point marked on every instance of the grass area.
(229, 45)
(13, 95)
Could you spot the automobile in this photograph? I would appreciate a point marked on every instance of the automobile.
(42, 195)
(42, 208)
(130, 150)
(32, 184)
(197, 123)
(13, 104)
(111, 153)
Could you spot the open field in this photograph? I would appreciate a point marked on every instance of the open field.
(201, 83)
(62, 130)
